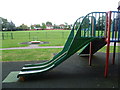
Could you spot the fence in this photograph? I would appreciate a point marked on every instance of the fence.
(34, 35)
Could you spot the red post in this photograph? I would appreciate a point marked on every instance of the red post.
(106, 25)
(90, 57)
(108, 43)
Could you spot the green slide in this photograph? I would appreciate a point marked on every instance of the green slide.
(73, 44)
(85, 33)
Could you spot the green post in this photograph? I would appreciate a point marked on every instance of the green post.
(7, 35)
(3, 36)
(11, 35)
(29, 35)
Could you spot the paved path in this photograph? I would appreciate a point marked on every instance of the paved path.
(31, 47)
(36, 46)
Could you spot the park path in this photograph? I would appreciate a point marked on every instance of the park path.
(36, 46)
(31, 47)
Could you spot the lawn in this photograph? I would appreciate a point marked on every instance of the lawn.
(28, 54)
(54, 37)
(111, 49)
(36, 54)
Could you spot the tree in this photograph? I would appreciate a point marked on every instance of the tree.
(37, 26)
(56, 26)
(32, 27)
(1, 24)
(49, 23)
(23, 27)
(11, 26)
(5, 25)
(86, 23)
(66, 25)
(43, 26)
(100, 23)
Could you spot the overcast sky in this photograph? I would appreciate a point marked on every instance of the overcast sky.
(57, 11)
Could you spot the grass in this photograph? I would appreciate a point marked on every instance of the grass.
(37, 54)
(28, 54)
(51, 36)
(111, 49)
(54, 37)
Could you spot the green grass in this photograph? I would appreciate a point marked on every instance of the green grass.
(54, 37)
(111, 49)
(28, 54)
(37, 54)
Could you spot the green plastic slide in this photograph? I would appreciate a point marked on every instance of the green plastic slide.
(72, 45)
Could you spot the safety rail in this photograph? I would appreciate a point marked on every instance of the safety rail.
(94, 24)
(77, 24)
(115, 26)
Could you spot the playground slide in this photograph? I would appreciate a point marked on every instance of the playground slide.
(67, 51)
(75, 42)
(47, 64)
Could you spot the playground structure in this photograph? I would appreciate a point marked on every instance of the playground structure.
(88, 35)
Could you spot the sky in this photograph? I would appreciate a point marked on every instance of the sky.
(56, 11)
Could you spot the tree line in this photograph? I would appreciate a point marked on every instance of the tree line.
(5, 25)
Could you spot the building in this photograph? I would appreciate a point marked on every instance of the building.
(49, 27)
(62, 26)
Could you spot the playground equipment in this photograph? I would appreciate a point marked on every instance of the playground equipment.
(89, 34)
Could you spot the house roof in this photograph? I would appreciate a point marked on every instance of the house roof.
(49, 25)
(61, 25)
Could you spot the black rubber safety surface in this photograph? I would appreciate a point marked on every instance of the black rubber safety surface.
(72, 73)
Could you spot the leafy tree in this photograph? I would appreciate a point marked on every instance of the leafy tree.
(1, 24)
(48, 23)
(23, 27)
(66, 25)
(76, 25)
(56, 26)
(37, 26)
(69, 27)
(86, 23)
(11, 26)
(32, 27)
(43, 26)
(5, 25)
(100, 23)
